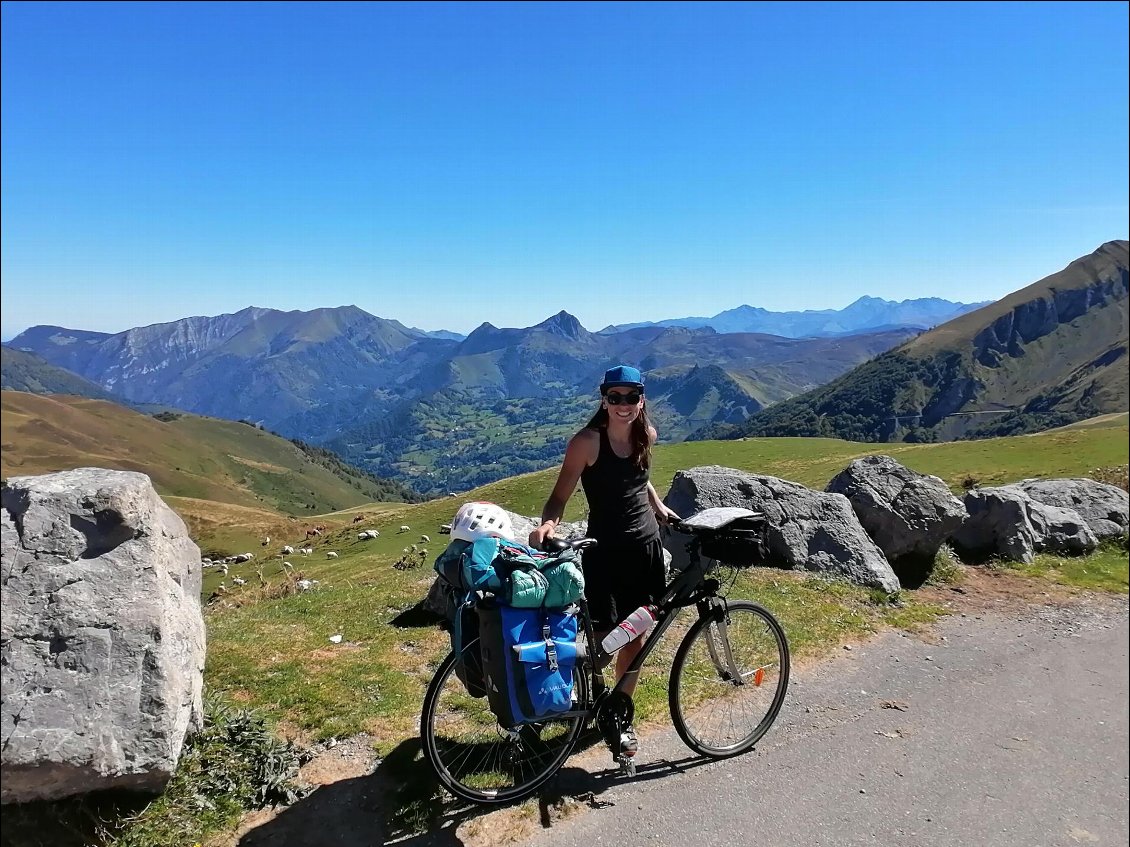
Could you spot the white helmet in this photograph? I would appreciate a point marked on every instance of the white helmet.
(481, 520)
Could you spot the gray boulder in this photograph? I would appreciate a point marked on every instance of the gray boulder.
(808, 530)
(1006, 522)
(1105, 508)
(908, 514)
(103, 640)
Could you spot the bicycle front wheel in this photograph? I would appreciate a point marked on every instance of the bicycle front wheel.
(728, 680)
(480, 761)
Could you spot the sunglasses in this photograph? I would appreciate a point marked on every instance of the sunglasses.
(616, 399)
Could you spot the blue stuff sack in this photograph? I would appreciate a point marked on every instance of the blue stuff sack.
(528, 659)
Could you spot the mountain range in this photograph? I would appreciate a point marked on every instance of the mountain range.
(437, 413)
(867, 314)
(1050, 354)
(444, 413)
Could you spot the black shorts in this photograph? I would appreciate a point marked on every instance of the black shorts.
(619, 578)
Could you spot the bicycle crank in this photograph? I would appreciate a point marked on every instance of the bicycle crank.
(615, 715)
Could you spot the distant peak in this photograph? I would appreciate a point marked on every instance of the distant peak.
(563, 324)
(483, 328)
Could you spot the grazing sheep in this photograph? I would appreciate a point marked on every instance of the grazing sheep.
(239, 581)
(306, 551)
(286, 551)
(266, 541)
(405, 529)
(368, 533)
(304, 584)
(425, 539)
(331, 555)
(359, 518)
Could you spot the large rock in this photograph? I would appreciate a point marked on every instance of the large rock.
(103, 640)
(807, 529)
(1006, 522)
(908, 514)
(1105, 508)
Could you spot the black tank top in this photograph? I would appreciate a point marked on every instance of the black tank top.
(619, 510)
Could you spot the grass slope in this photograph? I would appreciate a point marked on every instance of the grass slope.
(23, 371)
(185, 455)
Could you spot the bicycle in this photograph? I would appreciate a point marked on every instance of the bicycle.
(731, 667)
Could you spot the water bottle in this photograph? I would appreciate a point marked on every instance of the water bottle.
(632, 627)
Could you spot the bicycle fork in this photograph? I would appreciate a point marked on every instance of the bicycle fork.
(718, 642)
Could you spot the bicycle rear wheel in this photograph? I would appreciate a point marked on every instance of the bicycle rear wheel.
(729, 679)
(480, 761)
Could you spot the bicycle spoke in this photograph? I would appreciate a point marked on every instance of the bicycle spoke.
(478, 760)
(729, 680)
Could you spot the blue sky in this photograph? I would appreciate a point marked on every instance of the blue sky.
(448, 164)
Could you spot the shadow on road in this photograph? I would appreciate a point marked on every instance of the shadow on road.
(401, 803)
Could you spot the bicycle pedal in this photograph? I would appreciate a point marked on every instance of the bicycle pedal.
(627, 765)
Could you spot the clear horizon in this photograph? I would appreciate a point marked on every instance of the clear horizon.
(446, 164)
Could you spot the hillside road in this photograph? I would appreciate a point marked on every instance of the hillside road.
(996, 728)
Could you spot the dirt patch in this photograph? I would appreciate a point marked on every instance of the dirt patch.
(983, 589)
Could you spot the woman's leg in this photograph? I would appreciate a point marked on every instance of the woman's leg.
(624, 658)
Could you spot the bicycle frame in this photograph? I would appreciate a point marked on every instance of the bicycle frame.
(690, 587)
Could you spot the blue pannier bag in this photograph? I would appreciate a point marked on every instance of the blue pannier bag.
(528, 659)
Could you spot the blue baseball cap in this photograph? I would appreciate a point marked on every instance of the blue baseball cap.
(621, 376)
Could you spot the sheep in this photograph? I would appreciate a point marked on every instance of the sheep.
(368, 533)
(286, 550)
(266, 541)
(305, 551)
(359, 518)
(239, 581)
(331, 555)
(425, 539)
(405, 529)
(304, 584)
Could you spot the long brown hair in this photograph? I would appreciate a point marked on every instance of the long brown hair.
(641, 441)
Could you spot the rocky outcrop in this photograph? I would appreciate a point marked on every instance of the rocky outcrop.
(1005, 522)
(806, 530)
(1035, 318)
(908, 514)
(1105, 508)
(103, 639)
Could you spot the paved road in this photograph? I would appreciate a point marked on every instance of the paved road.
(997, 729)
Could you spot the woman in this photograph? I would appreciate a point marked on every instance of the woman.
(611, 457)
